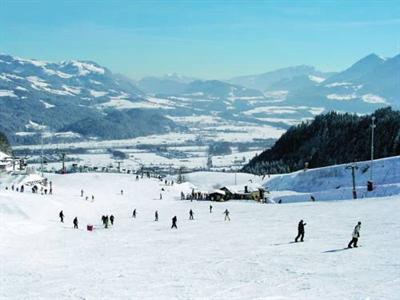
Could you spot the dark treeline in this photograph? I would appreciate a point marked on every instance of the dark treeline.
(332, 138)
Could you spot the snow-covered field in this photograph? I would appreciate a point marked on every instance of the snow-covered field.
(250, 257)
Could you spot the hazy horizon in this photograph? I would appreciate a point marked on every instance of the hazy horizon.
(208, 40)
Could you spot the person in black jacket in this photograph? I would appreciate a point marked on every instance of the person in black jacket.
(76, 222)
(174, 220)
(112, 220)
(226, 213)
(300, 230)
(61, 214)
(191, 215)
(156, 216)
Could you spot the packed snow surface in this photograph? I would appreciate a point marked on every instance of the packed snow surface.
(250, 257)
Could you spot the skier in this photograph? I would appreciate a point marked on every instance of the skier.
(122, 192)
(174, 220)
(75, 223)
(112, 220)
(191, 215)
(211, 209)
(134, 213)
(103, 220)
(61, 214)
(226, 212)
(92, 198)
(160, 196)
(156, 216)
(106, 221)
(312, 198)
(356, 236)
(81, 193)
(300, 231)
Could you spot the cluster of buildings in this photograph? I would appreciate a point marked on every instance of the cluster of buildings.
(235, 192)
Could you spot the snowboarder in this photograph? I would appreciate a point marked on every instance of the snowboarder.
(211, 209)
(75, 223)
(112, 220)
(156, 216)
(134, 213)
(174, 220)
(226, 213)
(191, 215)
(300, 231)
(312, 198)
(61, 214)
(356, 236)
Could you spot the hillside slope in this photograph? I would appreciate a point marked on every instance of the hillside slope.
(250, 257)
(335, 182)
(330, 139)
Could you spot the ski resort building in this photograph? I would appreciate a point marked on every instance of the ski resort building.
(248, 192)
(217, 195)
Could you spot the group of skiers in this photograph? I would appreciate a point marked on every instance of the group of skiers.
(34, 189)
(74, 221)
(175, 219)
(300, 228)
(87, 197)
(105, 219)
(352, 243)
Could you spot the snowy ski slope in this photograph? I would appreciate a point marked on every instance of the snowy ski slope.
(250, 257)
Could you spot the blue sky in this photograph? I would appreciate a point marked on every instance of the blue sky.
(208, 39)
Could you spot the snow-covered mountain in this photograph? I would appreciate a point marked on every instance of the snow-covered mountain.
(370, 83)
(76, 95)
(83, 99)
(270, 80)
